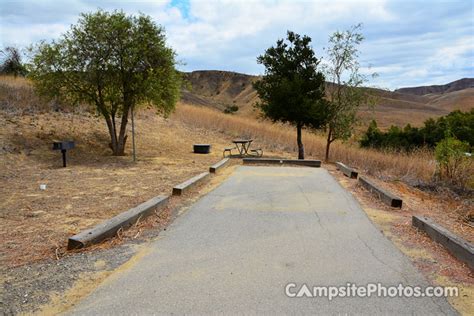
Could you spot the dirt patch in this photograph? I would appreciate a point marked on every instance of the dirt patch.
(95, 186)
(53, 286)
(444, 209)
(432, 259)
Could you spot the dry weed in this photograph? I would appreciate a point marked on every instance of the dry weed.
(410, 167)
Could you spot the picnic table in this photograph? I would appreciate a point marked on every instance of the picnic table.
(243, 145)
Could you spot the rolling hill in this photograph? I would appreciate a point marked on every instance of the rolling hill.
(457, 85)
(456, 95)
(222, 89)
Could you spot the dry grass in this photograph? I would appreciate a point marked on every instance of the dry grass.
(456, 100)
(281, 138)
(386, 117)
(95, 185)
(216, 89)
(416, 168)
(17, 95)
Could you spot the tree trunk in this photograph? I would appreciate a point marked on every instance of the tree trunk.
(117, 144)
(328, 143)
(113, 135)
(122, 138)
(299, 141)
(133, 136)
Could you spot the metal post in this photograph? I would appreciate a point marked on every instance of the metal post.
(64, 157)
(133, 137)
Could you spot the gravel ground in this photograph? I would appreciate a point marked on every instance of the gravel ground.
(27, 288)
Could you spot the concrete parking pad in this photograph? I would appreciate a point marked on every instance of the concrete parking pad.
(236, 249)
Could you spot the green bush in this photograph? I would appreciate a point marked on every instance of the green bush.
(460, 124)
(454, 164)
(231, 109)
(11, 62)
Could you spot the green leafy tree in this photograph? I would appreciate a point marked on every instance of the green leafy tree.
(372, 137)
(292, 89)
(11, 62)
(459, 124)
(112, 61)
(346, 93)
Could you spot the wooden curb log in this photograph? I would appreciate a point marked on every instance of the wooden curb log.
(386, 197)
(185, 186)
(220, 164)
(299, 162)
(110, 227)
(458, 247)
(349, 172)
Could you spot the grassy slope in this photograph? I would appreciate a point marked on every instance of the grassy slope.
(217, 89)
(462, 99)
(96, 185)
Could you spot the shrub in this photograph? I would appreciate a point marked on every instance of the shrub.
(231, 109)
(454, 164)
(11, 62)
(460, 124)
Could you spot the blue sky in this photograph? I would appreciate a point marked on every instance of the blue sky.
(408, 42)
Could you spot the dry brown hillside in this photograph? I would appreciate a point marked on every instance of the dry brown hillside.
(456, 95)
(96, 185)
(457, 100)
(220, 89)
(457, 85)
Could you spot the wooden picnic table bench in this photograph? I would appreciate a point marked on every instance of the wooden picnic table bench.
(243, 146)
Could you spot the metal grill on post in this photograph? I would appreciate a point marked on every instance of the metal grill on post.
(64, 146)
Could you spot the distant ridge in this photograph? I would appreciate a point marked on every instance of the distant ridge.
(222, 89)
(457, 85)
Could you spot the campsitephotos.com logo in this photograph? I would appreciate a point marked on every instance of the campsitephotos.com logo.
(371, 289)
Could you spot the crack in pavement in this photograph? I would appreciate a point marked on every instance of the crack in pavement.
(381, 261)
(300, 188)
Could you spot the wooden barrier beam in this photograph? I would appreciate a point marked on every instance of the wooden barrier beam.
(347, 171)
(185, 186)
(110, 227)
(386, 197)
(220, 164)
(458, 247)
(276, 161)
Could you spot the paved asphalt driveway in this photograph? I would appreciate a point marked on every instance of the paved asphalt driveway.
(236, 249)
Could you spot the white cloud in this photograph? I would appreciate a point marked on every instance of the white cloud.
(451, 54)
(406, 41)
(214, 26)
(24, 35)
